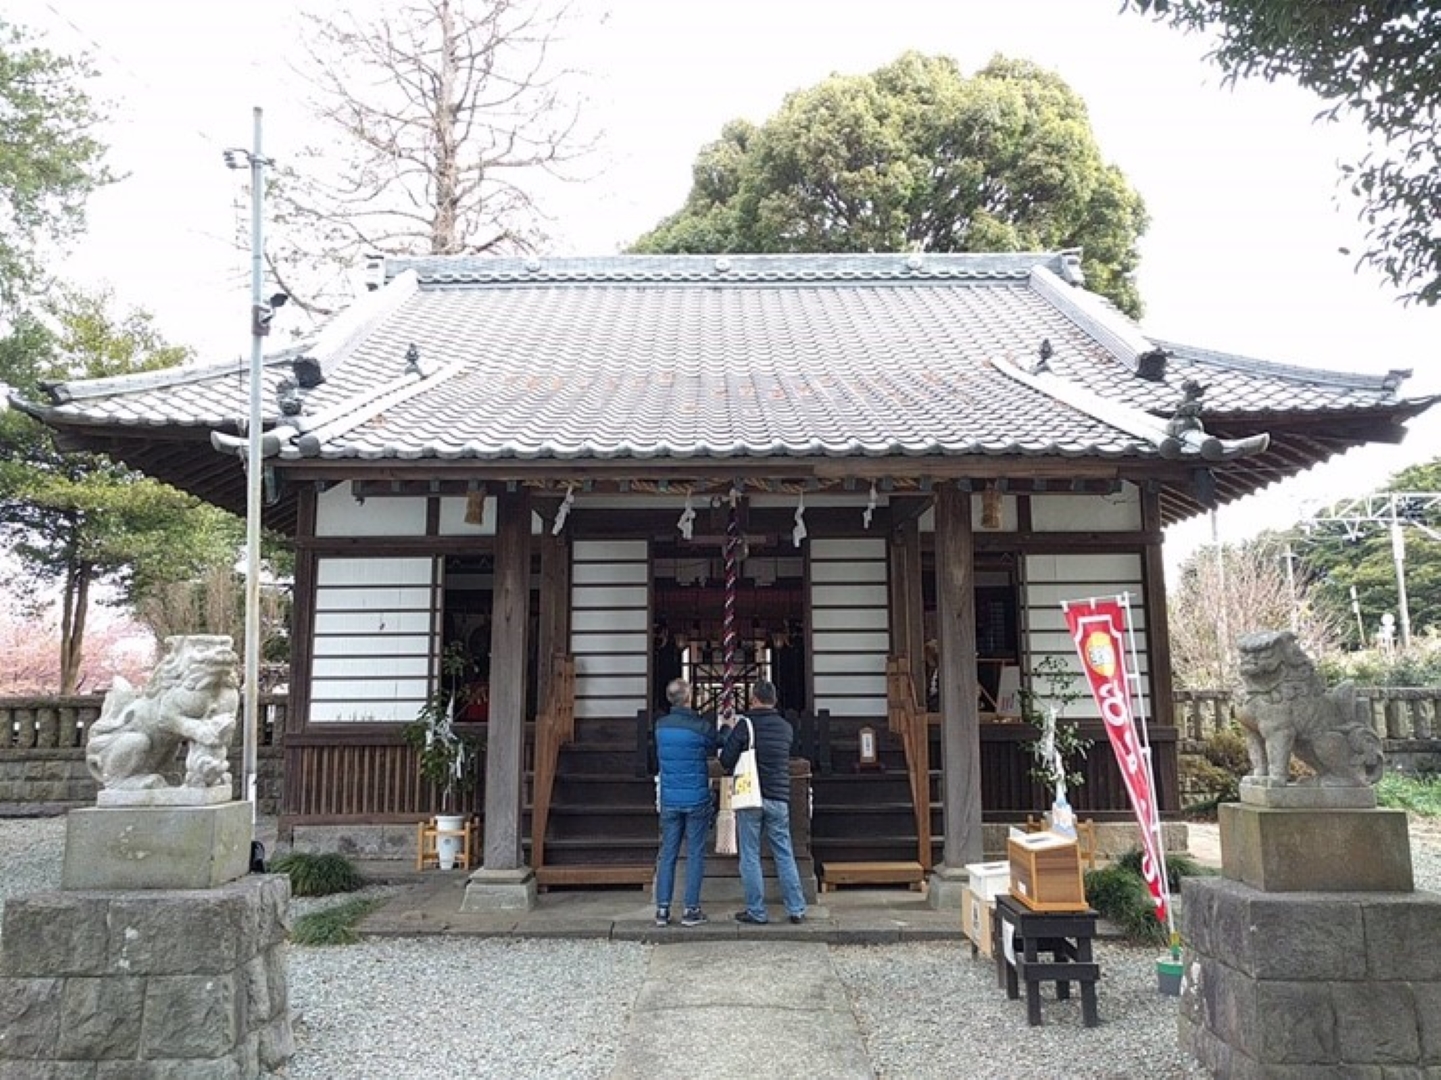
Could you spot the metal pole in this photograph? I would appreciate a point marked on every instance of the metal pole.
(1398, 555)
(254, 470)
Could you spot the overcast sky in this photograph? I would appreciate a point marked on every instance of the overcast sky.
(1247, 219)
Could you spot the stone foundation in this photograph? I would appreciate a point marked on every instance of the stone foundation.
(1310, 984)
(146, 984)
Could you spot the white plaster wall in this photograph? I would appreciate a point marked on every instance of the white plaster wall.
(373, 633)
(337, 513)
(850, 637)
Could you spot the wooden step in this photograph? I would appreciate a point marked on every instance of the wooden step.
(620, 874)
(898, 872)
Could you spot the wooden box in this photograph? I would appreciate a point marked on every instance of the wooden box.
(1046, 872)
(976, 916)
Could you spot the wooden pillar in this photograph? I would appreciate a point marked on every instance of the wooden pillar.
(554, 609)
(510, 622)
(960, 713)
(1162, 693)
(907, 603)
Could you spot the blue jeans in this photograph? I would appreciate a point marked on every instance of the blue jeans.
(775, 818)
(694, 822)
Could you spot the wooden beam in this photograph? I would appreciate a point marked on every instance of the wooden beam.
(960, 713)
(907, 614)
(510, 624)
(1158, 652)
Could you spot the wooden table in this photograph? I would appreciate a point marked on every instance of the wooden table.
(1066, 935)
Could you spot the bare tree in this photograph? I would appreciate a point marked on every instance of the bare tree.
(1228, 591)
(444, 118)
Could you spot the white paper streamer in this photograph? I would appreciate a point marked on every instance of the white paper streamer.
(799, 532)
(870, 510)
(686, 523)
(563, 512)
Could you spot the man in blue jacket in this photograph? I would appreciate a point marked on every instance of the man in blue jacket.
(773, 736)
(684, 743)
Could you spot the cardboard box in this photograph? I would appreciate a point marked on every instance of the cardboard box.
(1046, 872)
(989, 880)
(977, 916)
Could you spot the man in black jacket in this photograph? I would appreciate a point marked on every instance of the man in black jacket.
(773, 738)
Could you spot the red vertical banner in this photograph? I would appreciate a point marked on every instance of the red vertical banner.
(1098, 627)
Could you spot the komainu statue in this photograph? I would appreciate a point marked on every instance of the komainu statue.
(1287, 709)
(192, 697)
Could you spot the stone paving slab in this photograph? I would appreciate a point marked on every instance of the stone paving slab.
(788, 1016)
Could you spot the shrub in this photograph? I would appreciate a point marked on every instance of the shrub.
(317, 875)
(334, 925)
(1218, 769)
(1119, 893)
(1400, 792)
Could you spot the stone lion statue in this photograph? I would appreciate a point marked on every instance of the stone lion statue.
(192, 697)
(1287, 709)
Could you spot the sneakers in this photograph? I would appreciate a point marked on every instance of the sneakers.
(693, 916)
(662, 916)
(797, 919)
(747, 917)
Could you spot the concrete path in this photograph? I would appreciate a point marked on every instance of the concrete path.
(787, 1016)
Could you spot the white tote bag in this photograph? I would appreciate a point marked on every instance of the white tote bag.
(746, 777)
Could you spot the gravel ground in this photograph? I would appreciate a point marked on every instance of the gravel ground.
(925, 1010)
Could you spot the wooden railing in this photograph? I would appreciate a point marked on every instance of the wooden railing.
(554, 727)
(911, 723)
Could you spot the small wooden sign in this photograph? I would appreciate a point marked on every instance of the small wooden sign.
(869, 749)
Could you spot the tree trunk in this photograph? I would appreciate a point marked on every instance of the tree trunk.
(75, 606)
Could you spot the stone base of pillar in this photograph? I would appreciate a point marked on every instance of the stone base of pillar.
(500, 890)
(1310, 983)
(157, 847)
(944, 888)
(156, 983)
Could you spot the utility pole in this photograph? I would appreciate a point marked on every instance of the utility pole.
(259, 327)
(1391, 509)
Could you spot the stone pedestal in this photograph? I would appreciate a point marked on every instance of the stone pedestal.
(157, 847)
(1315, 850)
(1312, 956)
(159, 983)
(1310, 984)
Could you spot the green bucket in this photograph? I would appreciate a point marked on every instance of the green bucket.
(1168, 976)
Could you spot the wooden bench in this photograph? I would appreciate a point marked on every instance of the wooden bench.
(618, 874)
(871, 873)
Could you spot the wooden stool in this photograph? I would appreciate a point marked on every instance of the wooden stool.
(427, 838)
(872, 873)
(1066, 935)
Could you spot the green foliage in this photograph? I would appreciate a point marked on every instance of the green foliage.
(1217, 769)
(447, 756)
(1054, 685)
(50, 159)
(75, 521)
(1119, 893)
(317, 875)
(334, 925)
(1419, 795)
(1347, 554)
(1121, 896)
(915, 156)
(1380, 63)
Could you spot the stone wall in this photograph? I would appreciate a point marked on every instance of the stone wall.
(1311, 984)
(158, 983)
(59, 780)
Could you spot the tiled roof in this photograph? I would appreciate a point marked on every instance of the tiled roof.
(704, 356)
(692, 358)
